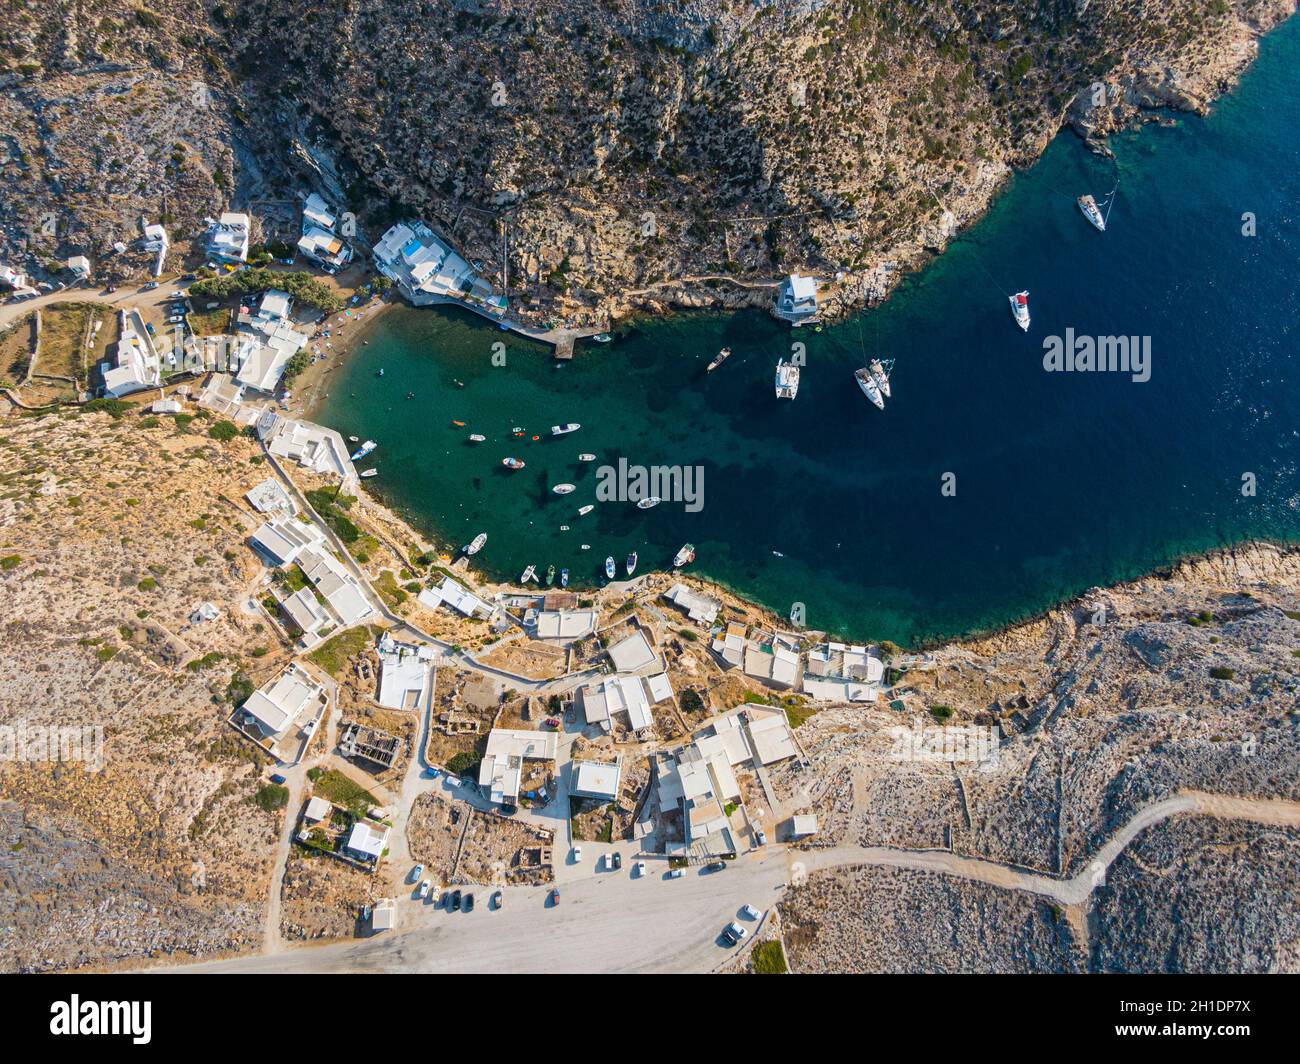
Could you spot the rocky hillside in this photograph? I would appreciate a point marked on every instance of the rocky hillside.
(637, 151)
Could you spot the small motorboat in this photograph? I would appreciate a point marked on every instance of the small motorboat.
(476, 438)
(476, 544)
(648, 502)
(611, 570)
(459, 424)
(685, 555)
(586, 546)
(631, 563)
(1020, 309)
(370, 473)
(584, 510)
(564, 578)
(513, 463)
(564, 528)
(550, 575)
(410, 395)
(565, 429)
(584, 457)
(381, 372)
(563, 489)
(723, 355)
(354, 439)
(363, 450)
(528, 574)
(602, 338)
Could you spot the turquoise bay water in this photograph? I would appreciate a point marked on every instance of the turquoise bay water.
(1063, 480)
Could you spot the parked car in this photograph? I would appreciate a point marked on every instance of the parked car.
(734, 933)
(677, 873)
(555, 896)
(761, 837)
(577, 855)
(498, 900)
(189, 277)
(453, 903)
(552, 722)
(615, 861)
(277, 778)
(416, 872)
(424, 889)
(640, 869)
(749, 912)
(467, 902)
(148, 286)
(716, 866)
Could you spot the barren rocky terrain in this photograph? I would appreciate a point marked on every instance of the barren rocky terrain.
(640, 153)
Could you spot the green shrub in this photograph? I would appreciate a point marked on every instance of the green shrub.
(272, 797)
(1221, 673)
(223, 431)
(768, 958)
(465, 763)
(941, 712)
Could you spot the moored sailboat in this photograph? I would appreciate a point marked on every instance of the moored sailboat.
(880, 374)
(1020, 309)
(869, 387)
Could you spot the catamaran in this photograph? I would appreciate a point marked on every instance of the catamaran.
(584, 457)
(880, 372)
(723, 355)
(562, 489)
(561, 430)
(363, 450)
(611, 570)
(869, 386)
(631, 563)
(529, 574)
(584, 510)
(686, 554)
(1020, 309)
(476, 544)
(513, 463)
(787, 379)
(1091, 211)
(648, 502)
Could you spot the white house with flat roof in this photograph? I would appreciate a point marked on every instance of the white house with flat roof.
(796, 302)
(316, 214)
(427, 270)
(282, 702)
(699, 608)
(136, 363)
(269, 497)
(632, 653)
(565, 624)
(266, 342)
(281, 539)
(313, 447)
(456, 597)
(306, 611)
(502, 766)
(227, 237)
(317, 810)
(335, 584)
(403, 672)
(327, 250)
(79, 266)
(368, 841)
(600, 702)
(596, 779)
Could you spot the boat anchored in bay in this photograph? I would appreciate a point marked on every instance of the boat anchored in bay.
(787, 379)
(722, 357)
(1020, 309)
(476, 544)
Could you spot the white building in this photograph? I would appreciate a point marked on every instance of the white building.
(699, 608)
(306, 611)
(729, 644)
(565, 624)
(383, 917)
(626, 695)
(227, 238)
(771, 660)
(267, 341)
(502, 766)
(324, 248)
(155, 241)
(428, 270)
(79, 266)
(797, 300)
(269, 497)
(316, 214)
(596, 779)
(13, 279)
(802, 826)
(840, 673)
(313, 447)
(632, 653)
(403, 673)
(368, 841)
(336, 585)
(278, 705)
(281, 539)
(456, 597)
(317, 810)
(136, 363)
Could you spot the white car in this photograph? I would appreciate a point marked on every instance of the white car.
(577, 855)
(424, 889)
(677, 873)
(749, 912)
(640, 869)
(734, 933)
(416, 872)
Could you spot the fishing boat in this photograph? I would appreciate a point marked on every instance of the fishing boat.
(1091, 211)
(476, 438)
(565, 429)
(584, 510)
(602, 338)
(723, 355)
(564, 528)
(459, 424)
(371, 473)
(529, 574)
(648, 502)
(564, 578)
(512, 463)
(363, 450)
(476, 544)
(869, 387)
(787, 379)
(584, 457)
(381, 372)
(562, 489)
(685, 555)
(631, 563)
(611, 570)
(586, 546)
(880, 372)
(550, 575)
(1020, 309)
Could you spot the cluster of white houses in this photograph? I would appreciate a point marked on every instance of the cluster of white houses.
(428, 270)
(321, 242)
(283, 713)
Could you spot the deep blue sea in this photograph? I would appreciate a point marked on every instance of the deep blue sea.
(1063, 481)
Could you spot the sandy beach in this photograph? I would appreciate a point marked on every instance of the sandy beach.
(339, 337)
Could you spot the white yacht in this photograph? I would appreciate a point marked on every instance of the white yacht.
(869, 386)
(1020, 309)
(529, 574)
(584, 510)
(1091, 211)
(648, 502)
(476, 544)
(787, 380)
(562, 430)
(562, 489)
(880, 372)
